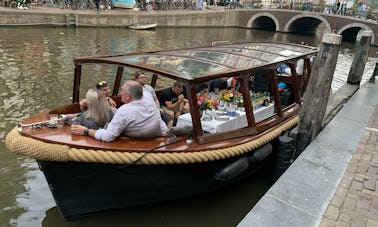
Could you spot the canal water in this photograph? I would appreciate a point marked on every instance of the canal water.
(36, 73)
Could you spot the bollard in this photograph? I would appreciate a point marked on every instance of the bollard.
(317, 92)
(284, 155)
(375, 73)
(360, 58)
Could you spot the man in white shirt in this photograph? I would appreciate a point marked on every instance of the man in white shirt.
(138, 117)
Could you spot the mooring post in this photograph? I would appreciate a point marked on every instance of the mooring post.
(375, 73)
(317, 92)
(360, 57)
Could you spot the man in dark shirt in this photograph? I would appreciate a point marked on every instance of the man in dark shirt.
(173, 102)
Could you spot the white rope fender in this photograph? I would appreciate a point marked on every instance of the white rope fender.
(40, 150)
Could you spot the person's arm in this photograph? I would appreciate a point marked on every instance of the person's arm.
(83, 104)
(172, 106)
(111, 102)
(114, 129)
(82, 130)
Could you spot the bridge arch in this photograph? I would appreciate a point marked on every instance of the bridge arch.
(296, 23)
(351, 31)
(264, 21)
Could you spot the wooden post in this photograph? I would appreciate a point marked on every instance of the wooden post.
(317, 91)
(375, 73)
(360, 58)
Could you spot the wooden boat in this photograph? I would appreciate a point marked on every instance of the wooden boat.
(143, 26)
(127, 4)
(87, 176)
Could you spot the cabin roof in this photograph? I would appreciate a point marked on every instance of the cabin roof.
(204, 62)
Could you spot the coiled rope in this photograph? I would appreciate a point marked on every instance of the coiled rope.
(40, 150)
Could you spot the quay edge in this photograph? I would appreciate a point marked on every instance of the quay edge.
(302, 194)
(115, 18)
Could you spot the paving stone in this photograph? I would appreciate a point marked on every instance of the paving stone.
(366, 157)
(372, 171)
(369, 183)
(363, 203)
(332, 212)
(372, 214)
(337, 201)
(374, 203)
(351, 169)
(350, 203)
(327, 223)
(342, 224)
(358, 222)
(371, 223)
(356, 185)
(362, 168)
(359, 178)
(370, 147)
(345, 183)
(344, 218)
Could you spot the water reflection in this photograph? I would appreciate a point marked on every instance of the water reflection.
(36, 73)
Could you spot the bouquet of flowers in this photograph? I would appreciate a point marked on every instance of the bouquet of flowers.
(230, 95)
(204, 103)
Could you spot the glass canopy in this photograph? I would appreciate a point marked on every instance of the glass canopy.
(197, 62)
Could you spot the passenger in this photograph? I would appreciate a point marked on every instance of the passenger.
(141, 78)
(173, 102)
(102, 86)
(285, 69)
(218, 84)
(138, 117)
(98, 112)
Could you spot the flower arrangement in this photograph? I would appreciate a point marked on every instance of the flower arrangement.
(204, 103)
(230, 95)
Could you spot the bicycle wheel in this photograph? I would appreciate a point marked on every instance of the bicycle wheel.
(74, 4)
(82, 4)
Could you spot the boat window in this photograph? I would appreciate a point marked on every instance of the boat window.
(178, 65)
(261, 95)
(223, 58)
(221, 105)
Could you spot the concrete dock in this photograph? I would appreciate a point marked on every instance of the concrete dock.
(334, 182)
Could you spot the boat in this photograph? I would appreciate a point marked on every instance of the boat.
(143, 26)
(88, 177)
(126, 4)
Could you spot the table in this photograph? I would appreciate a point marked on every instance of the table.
(240, 121)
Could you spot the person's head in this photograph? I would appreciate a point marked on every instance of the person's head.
(177, 87)
(140, 77)
(97, 106)
(131, 90)
(103, 86)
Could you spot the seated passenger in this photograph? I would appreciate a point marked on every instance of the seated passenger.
(218, 84)
(142, 79)
(98, 112)
(285, 69)
(138, 117)
(103, 87)
(173, 102)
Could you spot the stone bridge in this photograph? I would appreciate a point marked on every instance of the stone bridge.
(305, 22)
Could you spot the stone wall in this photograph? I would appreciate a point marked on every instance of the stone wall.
(191, 18)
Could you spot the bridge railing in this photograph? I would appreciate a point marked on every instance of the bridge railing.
(297, 6)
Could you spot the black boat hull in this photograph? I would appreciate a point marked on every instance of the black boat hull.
(82, 189)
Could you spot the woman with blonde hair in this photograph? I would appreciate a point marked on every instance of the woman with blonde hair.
(98, 112)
